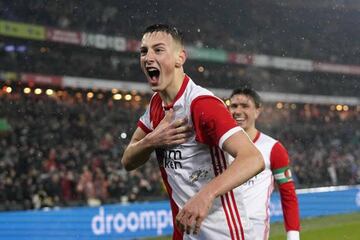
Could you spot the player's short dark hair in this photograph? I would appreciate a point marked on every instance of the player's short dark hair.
(176, 34)
(248, 91)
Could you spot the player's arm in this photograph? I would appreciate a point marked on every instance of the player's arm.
(217, 127)
(169, 132)
(279, 160)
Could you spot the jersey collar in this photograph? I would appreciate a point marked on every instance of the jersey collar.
(179, 94)
(256, 137)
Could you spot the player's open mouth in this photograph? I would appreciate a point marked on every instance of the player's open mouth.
(153, 73)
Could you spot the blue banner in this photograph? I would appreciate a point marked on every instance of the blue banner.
(132, 221)
(106, 222)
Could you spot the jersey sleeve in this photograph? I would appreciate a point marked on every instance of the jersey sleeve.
(144, 122)
(212, 121)
(279, 161)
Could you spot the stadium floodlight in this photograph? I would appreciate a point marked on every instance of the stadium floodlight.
(38, 91)
(49, 92)
(90, 95)
(27, 90)
(128, 97)
(339, 107)
(123, 135)
(7, 89)
(117, 96)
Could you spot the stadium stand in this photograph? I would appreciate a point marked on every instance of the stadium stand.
(64, 149)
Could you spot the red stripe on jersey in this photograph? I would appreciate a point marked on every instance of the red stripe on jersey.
(227, 198)
(222, 158)
(216, 171)
(143, 127)
(267, 207)
(256, 137)
(180, 93)
(156, 110)
(227, 217)
(177, 234)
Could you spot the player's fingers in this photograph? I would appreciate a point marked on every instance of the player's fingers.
(178, 142)
(179, 122)
(197, 226)
(196, 229)
(190, 223)
(178, 220)
(181, 136)
(169, 116)
(181, 129)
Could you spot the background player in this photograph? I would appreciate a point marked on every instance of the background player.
(188, 136)
(245, 106)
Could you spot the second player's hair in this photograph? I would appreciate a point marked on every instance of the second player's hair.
(248, 92)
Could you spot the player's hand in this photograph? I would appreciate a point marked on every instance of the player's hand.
(190, 217)
(170, 132)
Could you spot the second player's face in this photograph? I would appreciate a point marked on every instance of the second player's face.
(243, 110)
(157, 58)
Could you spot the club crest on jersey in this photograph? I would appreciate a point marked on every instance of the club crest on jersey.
(196, 175)
(169, 158)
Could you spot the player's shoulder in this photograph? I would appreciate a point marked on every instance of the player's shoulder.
(197, 94)
(264, 138)
(193, 90)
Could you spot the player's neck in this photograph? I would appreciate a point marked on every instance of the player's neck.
(252, 132)
(170, 92)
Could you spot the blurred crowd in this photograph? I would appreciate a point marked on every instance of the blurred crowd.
(65, 149)
(265, 27)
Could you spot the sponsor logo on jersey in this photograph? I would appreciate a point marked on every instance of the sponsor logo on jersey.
(169, 158)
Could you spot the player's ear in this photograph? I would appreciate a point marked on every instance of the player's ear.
(181, 58)
(258, 111)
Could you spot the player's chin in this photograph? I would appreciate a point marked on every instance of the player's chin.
(155, 87)
(241, 123)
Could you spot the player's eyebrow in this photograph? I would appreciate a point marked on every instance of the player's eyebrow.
(153, 46)
(158, 45)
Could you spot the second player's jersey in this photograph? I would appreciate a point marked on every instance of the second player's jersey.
(186, 168)
(257, 190)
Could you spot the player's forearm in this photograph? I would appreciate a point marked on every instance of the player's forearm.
(241, 169)
(290, 206)
(136, 154)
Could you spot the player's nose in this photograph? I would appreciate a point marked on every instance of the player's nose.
(149, 57)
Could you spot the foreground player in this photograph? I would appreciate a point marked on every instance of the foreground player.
(188, 128)
(245, 106)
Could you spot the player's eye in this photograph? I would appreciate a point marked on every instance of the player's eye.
(143, 51)
(159, 50)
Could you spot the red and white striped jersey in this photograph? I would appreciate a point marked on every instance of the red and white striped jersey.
(257, 190)
(186, 168)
